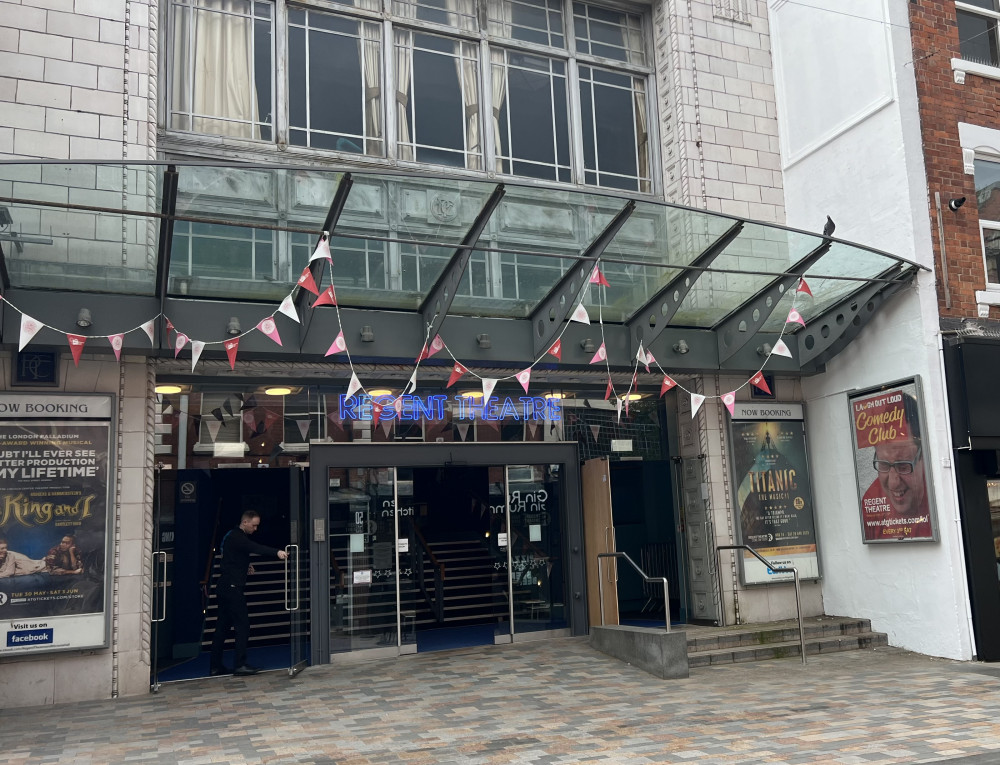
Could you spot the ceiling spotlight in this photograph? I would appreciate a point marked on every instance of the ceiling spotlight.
(83, 319)
(681, 346)
(367, 334)
(954, 204)
(764, 350)
(474, 394)
(278, 390)
(233, 327)
(484, 341)
(168, 388)
(632, 396)
(555, 395)
(379, 392)
(588, 345)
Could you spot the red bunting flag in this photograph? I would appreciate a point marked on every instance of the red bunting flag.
(231, 347)
(759, 381)
(426, 352)
(803, 287)
(666, 385)
(598, 278)
(76, 347)
(377, 411)
(329, 297)
(609, 390)
(307, 282)
(170, 325)
(456, 374)
(556, 349)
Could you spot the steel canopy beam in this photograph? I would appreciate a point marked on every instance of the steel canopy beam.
(434, 308)
(832, 331)
(168, 207)
(561, 300)
(646, 323)
(740, 326)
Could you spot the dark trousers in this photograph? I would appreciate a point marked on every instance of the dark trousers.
(232, 604)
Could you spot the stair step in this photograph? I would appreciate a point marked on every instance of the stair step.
(762, 635)
(787, 648)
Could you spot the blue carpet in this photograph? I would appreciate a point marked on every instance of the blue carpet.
(262, 657)
(447, 638)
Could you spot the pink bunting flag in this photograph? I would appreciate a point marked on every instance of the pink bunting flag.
(338, 345)
(179, 342)
(269, 328)
(758, 381)
(328, 297)
(803, 287)
(270, 418)
(488, 385)
(322, 249)
(170, 325)
(601, 355)
(149, 328)
(580, 315)
(456, 373)
(556, 349)
(524, 377)
(411, 385)
(231, 348)
(398, 405)
(666, 385)
(729, 399)
(598, 278)
(287, 307)
(649, 360)
(307, 282)
(248, 418)
(117, 341)
(696, 401)
(354, 386)
(29, 328)
(627, 399)
(436, 345)
(795, 316)
(780, 349)
(76, 343)
(197, 346)
(609, 390)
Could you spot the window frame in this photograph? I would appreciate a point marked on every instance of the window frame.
(994, 16)
(987, 224)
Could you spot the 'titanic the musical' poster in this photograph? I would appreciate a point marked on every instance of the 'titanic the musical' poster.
(771, 474)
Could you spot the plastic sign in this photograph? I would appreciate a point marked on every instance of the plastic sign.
(462, 408)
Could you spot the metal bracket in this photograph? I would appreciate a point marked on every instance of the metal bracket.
(662, 307)
(740, 326)
(562, 299)
(434, 308)
(168, 208)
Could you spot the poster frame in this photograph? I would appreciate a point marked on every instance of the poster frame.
(927, 453)
(109, 401)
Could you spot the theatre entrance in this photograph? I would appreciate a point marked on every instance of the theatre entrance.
(424, 547)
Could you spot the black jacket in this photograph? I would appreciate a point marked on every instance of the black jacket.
(236, 550)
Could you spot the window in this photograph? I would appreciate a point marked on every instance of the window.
(977, 31)
(481, 85)
(988, 200)
(226, 252)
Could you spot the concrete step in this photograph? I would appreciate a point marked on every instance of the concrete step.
(787, 648)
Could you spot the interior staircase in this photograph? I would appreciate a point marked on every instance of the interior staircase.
(778, 640)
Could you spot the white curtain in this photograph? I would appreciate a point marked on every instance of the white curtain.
(469, 75)
(371, 58)
(213, 69)
(641, 135)
(498, 61)
(404, 65)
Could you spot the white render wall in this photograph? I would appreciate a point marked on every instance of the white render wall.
(852, 149)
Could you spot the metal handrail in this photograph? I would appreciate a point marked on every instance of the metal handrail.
(600, 582)
(774, 569)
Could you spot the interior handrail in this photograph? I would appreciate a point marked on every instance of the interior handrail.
(663, 579)
(774, 569)
(430, 553)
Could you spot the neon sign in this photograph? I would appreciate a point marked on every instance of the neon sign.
(415, 408)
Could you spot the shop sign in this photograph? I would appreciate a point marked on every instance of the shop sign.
(435, 408)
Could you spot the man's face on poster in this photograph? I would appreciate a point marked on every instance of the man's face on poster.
(900, 466)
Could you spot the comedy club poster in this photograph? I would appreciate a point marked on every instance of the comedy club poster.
(54, 471)
(771, 474)
(890, 454)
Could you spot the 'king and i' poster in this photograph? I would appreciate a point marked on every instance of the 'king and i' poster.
(773, 489)
(53, 521)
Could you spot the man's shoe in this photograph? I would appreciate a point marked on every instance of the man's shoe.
(246, 669)
(217, 671)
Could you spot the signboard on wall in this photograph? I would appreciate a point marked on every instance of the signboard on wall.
(54, 530)
(773, 490)
(894, 489)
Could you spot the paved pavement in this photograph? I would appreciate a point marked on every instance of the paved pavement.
(551, 702)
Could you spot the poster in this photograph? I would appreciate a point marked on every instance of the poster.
(54, 471)
(771, 475)
(894, 488)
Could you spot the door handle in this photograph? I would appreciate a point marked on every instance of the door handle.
(292, 550)
(163, 584)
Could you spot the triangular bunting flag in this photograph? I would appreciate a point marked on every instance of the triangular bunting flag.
(759, 381)
(640, 356)
(180, 340)
(524, 377)
(248, 418)
(411, 385)
(595, 430)
(213, 428)
(436, 345)
(627, 399)
(76, 346)
(248, 403)
(322, 249)
(463, 429)
(197, 346)
(803, 287)
(217, 413)
(618, 406)
(795, 316)
(29, 328)
(649, 360)
(338, 345)
(354, 386)
(386, 427)
(398, 406)
(696, 401)
(532, 428)
(287, 307)
(269, 328)
(228, 406)
(556, 349)
(729, 399)
(601, 355)
(666, 385)
(334, 418)
(609, 390)
(377, 411)
(270, 417)
(303, 424)
(307, 282)
(329, 297)
(780, 349)
(456, 373)
(117, 341)
(231, 348)
(488, 385)
(149, 327)
(170, 325)
(580, 315)
(598, 278)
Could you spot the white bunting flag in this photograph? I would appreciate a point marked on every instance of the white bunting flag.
(149, 327)
(618, 406)
(463, 430)
(488, 385)
(524, 377)
(29, 328)
(287, 307)
(640, 356)
(649, 360)
(595, 430)
(780, 349)
(354, 386)
(197, 346)
(386, 426)
(580, 315)
(180, 340)
(213, 426)
(411, 385)
(322, 249)
(696, 401)
(303, 427)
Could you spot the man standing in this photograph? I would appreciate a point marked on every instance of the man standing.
(232, 602)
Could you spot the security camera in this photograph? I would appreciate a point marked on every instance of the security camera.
(954, 204)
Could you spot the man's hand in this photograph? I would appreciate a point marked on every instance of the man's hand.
(282, 555)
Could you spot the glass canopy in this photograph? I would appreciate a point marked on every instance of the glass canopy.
(240, 232)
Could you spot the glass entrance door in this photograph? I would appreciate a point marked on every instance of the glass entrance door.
(297, 572)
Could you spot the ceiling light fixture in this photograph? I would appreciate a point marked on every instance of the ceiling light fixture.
(83, 319)
(379, 392)
(681, 346)
(233, 327)
(168, 388)
(278, 390)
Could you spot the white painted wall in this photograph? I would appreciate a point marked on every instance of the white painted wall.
(851, 141)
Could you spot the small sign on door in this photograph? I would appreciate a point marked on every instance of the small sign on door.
(402, 545)
(363, 577)
(502, 539)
